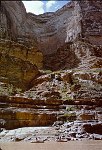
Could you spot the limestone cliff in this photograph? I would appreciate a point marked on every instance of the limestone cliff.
(20, 57)
(50, 31)
(68, 42)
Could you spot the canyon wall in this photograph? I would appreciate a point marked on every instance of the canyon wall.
(48, 34)
(49, 31)
(91, 22)
(68, 42)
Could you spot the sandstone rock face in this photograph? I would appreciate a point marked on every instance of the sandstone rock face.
(16, 71)
(49, 30)
(75, 55)
(13, 15)
(19, 64)
(26, 112)
(52, 30)
(92, 21)
(71, 87)
(14, 49)
(64, 58)
(50, 99)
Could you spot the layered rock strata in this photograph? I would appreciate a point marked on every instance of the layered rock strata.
(78, 54)
(50, 98)
(79, 126)
(51, 31)
(18, 112)
(19, 64)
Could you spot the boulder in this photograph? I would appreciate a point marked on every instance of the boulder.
(95, 128)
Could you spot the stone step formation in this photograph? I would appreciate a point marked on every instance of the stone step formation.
(57, 101)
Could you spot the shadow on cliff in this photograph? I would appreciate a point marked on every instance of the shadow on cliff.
(64, 58)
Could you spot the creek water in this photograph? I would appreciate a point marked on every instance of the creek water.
(71, 145)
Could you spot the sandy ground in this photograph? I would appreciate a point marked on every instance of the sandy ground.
(71, 145)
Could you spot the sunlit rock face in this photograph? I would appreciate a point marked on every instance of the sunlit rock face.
(66, 38)
(18, 63)
(20, 58)
(49, 31)
(14, 14)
